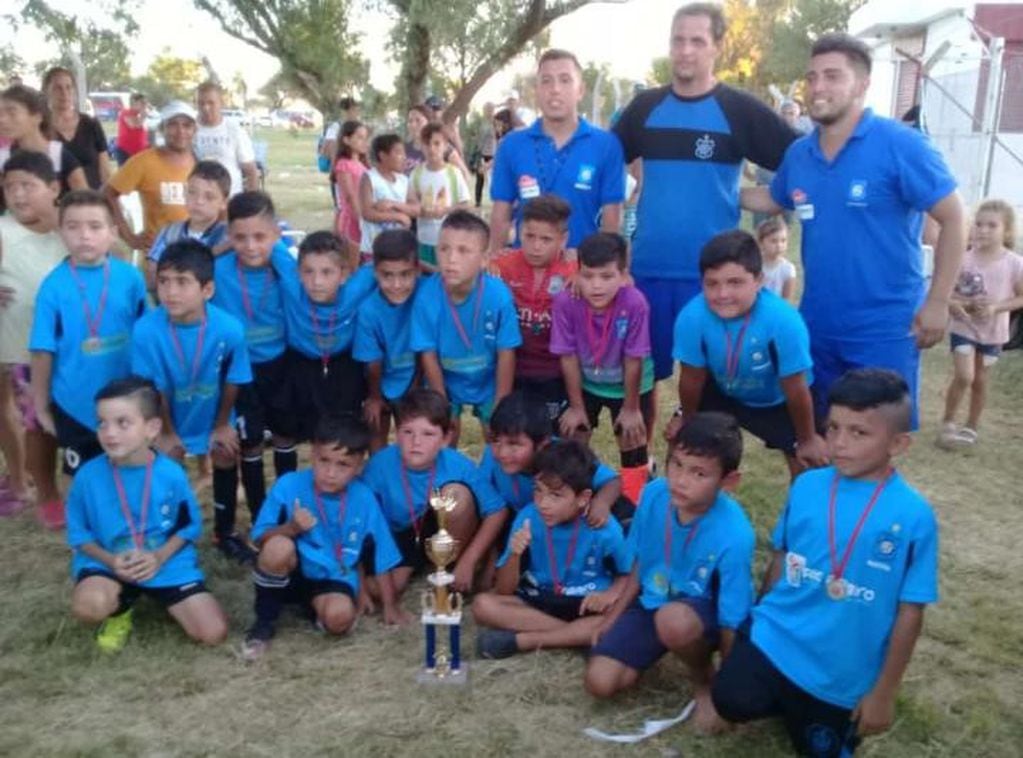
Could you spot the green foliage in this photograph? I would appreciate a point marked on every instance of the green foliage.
(102, 49)
(793, 34)
(170, 78)
(10, 62)
(319, 56)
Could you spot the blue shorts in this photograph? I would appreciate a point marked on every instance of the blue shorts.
(961, 344)
(833, 357)
(666, 298)
(633, 639)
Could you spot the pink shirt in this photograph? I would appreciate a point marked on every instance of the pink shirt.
(347, 219)
(988, 279)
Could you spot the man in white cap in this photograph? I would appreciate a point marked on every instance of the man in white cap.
(158, 174)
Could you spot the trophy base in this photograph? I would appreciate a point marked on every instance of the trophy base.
(432, 676)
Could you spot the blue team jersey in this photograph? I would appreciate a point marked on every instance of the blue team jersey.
(775, 345)
(711, 556)
(343, 525)
(383, 333)
(323, 329)
(388, 478)
(191, 383)
(588, 172)
(179, 230)
(82, 364)
(835, 649)
(861, 215)
(517, 489)
(259, 306)
(597, 557)
(95, 514)
(490, 323)
(692, 151)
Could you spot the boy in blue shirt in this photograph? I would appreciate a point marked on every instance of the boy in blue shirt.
(464, 325)
(745, 351)
(206, 193)
(321, 297)
(312, 533)
(691, 587)
(81, 331)
(248, 287)
(558, 575)
(195, 353)
(518, 434)
(132, 526)
(855, 563)
(382, 329)
(404, 476)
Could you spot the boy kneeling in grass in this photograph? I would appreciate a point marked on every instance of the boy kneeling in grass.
(312, 532)
(132, 522)
(573, 572)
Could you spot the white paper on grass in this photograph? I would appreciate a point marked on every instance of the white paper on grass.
(650, 728)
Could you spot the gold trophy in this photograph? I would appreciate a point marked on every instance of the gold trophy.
(441, 606)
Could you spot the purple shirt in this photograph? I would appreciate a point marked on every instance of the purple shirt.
(603, 340)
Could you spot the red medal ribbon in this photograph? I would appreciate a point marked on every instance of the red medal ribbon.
(138, 536)
(598, 349)
(552, 557)
(838, 567)
(196, 356)
(342, 508)
(92, 324)
(244, 285)
(732, 357)
(409, 501)
(669, 536)
(466, 340)
(320, 336)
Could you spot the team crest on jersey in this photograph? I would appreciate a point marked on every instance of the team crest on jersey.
(857, 192)
(622, 326)
(584, 179)
(556, 285)
(886, 546)
(705, 147)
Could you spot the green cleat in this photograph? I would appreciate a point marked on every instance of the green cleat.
(113, 634)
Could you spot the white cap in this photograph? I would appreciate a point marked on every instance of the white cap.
(513, 95)
(176, 108)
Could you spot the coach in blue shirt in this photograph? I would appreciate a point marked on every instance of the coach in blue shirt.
(559, 154)
(860, 185)
(692, 136)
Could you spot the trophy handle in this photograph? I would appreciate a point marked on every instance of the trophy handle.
(455, 602)
(427, 602)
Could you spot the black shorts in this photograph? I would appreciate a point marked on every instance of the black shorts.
(772, 424)
(413, 551)
(313, 394)
(165, 596)
(79, 441)
(262, 404)
(301, 589)
(596, 403)
(550, 392)
(750, 687)
(563, 607)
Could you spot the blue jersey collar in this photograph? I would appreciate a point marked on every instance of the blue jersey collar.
(864, 125)
(583, 130)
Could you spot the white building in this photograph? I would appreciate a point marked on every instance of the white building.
(937, 55)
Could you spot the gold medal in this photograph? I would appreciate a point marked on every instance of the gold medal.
(836, 588)
(91, 345)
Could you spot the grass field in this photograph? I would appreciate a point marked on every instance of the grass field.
(356, 696)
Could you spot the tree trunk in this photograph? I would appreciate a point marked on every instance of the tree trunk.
(416, 66)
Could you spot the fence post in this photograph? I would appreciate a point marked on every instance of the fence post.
(992, 111)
